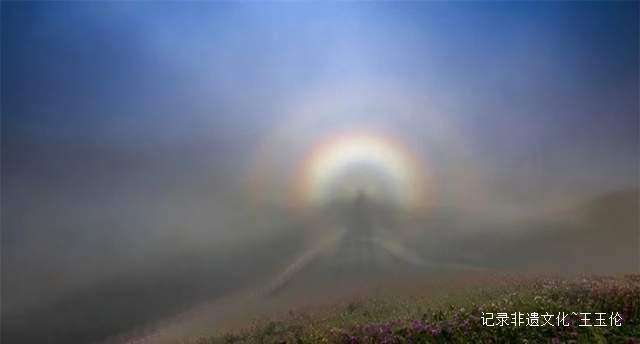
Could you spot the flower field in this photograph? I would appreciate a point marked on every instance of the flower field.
(537, 310)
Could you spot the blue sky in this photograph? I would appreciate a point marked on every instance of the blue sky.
(551, 84)
(129, 128)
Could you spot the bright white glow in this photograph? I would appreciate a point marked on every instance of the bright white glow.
(386, 163)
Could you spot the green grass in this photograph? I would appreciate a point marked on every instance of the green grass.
(457, 316)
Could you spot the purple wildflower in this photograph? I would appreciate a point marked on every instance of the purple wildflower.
(435, 331)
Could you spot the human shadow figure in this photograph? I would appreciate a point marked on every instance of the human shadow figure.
(355, 247)
(359, 232)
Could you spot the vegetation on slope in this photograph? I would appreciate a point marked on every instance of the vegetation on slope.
(461, 319)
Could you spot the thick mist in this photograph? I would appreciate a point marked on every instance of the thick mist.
(149, 151)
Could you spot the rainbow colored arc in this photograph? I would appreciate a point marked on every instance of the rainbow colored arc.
(391, 171)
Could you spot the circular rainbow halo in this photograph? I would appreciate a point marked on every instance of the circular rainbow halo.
(345, 165)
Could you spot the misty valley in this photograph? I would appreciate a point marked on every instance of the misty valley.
(319, 172)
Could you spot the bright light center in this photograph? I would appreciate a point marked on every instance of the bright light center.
(360, 163)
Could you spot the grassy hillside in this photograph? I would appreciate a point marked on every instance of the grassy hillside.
(418, 318)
